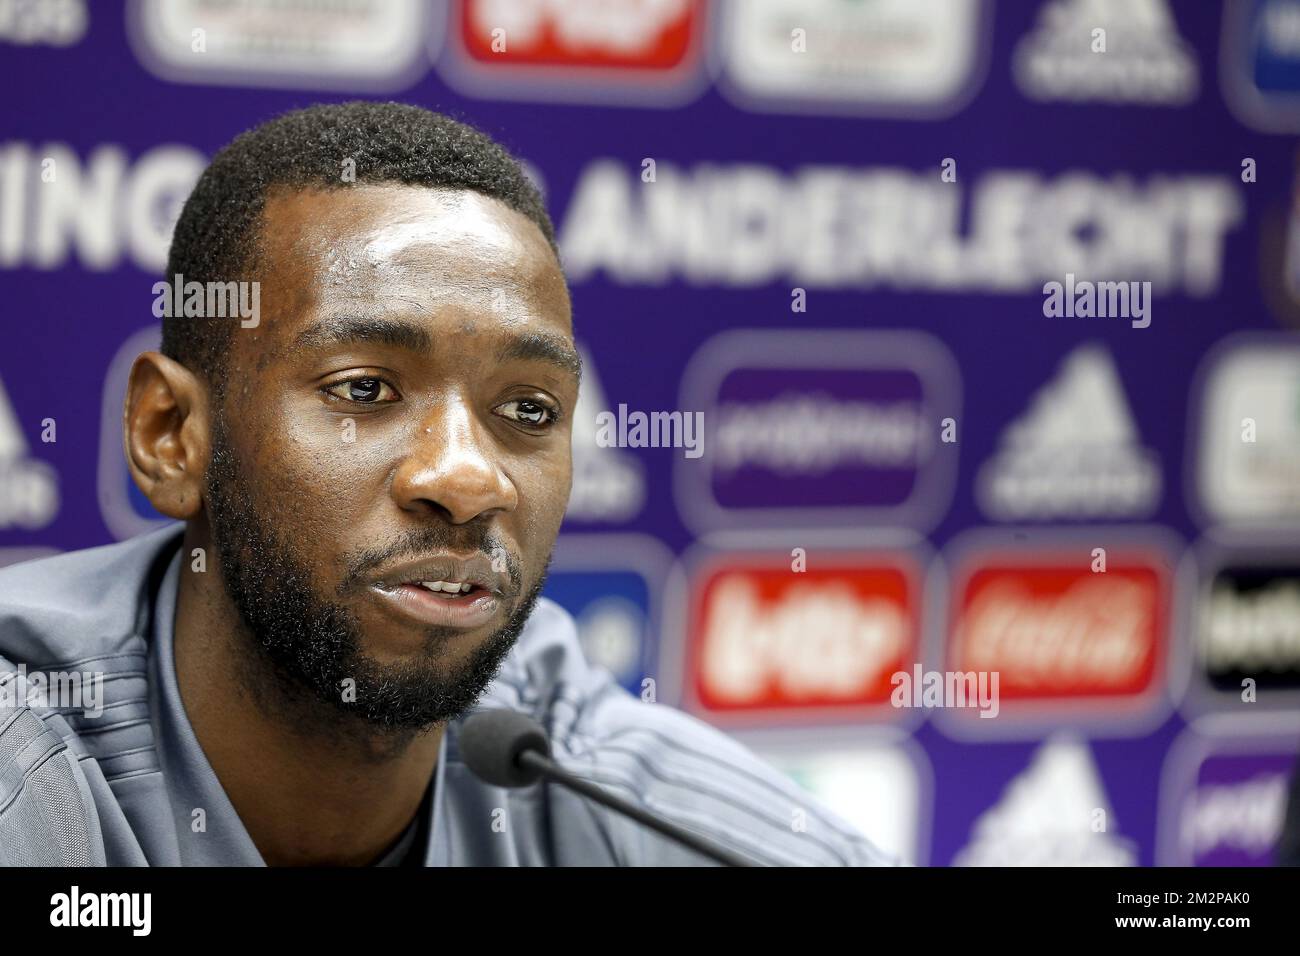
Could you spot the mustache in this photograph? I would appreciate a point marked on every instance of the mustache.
(420, 542)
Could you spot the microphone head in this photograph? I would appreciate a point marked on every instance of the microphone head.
(492, 740)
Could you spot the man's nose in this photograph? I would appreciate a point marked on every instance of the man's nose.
(452, 467)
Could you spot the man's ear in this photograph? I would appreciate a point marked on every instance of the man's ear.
(165, 427)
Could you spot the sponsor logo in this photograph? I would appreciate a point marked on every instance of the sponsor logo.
(1249, 456)
(611, 584)
(922, 58)
(878, 790)
(608, 482)
(1115, 51)
(612, 630)
(285, 43)
(60, 23)
(1234, 823)
(1054, 813)
(764, 640)
(1247, 630)
(820, 427)
(1224, 800)
(1059, 632)
(591, 50)
(1251, 625)
(1075, 453)
(29, 488)
(1260, 63)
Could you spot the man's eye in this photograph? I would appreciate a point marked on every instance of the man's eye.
(364, 391)
(527, 412)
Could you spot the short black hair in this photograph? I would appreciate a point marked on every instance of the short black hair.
(216, 236)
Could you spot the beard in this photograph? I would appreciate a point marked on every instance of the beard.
(305, 649)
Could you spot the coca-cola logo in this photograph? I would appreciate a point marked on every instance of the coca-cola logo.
(772, 638)
(1053, 628)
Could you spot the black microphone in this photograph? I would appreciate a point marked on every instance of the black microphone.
(510, 749)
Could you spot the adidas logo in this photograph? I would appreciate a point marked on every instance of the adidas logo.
(608, 483)
(1116, 51)
(1055, 813)
(1075, 453)
(29, 489)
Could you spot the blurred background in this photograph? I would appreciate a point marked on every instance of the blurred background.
(831, 227)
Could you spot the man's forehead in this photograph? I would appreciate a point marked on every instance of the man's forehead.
(391, 247)
(384, 225)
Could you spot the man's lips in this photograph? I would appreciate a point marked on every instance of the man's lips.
(470, 610)
(445, 590)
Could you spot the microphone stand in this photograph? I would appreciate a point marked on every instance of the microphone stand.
(537, 761)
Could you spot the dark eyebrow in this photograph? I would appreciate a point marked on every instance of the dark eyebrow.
(359, 330)
(545, 347)
(528, 346)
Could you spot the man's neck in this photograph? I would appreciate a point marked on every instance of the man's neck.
(306, 797)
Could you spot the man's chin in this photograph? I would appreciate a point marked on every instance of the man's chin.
(397, 675)
(413, 688)
(441, 650)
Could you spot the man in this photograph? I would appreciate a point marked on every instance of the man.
(371, 474)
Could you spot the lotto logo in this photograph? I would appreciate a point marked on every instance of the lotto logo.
(640, 34)
(764, 638)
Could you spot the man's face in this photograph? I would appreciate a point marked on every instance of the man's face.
(401, 414)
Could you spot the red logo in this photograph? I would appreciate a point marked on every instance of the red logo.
(765, 637)
(653, 35)
(1054, 628)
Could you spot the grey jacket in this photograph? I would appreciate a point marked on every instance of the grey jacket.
(130, 786)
